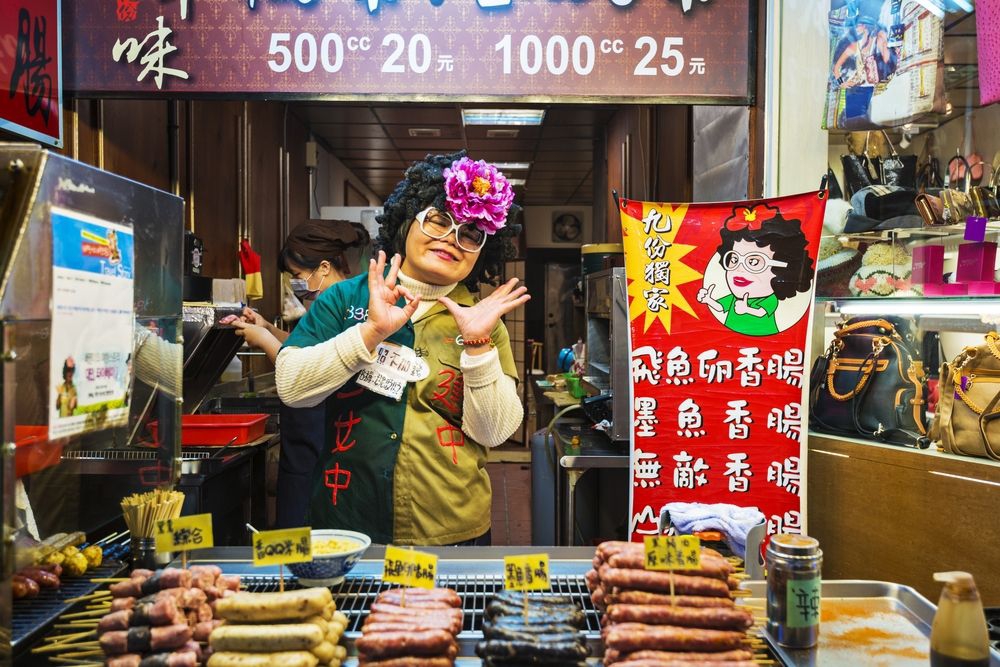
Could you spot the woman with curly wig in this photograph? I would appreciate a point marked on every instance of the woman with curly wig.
(766, 261)
(414, 376)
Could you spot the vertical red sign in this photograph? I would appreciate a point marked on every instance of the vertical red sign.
(31, 69)
(720, 297)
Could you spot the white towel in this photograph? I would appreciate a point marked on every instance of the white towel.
(731, 520)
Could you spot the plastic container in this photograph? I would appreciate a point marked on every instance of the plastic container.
(33, 451)
(959, 635)
(217, 430)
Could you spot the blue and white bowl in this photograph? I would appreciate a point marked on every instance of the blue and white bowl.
(329, 570)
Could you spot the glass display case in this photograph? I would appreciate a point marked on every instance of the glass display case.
(90, 327)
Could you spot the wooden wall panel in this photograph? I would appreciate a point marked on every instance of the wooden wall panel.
(135, 140)
(215, 181)
(265, 198)
(671, 158)
(893, 514)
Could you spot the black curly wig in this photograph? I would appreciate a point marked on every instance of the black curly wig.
(423, 186)
(788, 243)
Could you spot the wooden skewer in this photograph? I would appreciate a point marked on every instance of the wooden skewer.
(84, 614)
(96, 595)
(72, 661)
(76, 625)
(67, 646)
(109, 580)
(758, 607)
(85, 654)
(64, 638)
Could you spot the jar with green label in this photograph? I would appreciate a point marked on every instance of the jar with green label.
(794, 577)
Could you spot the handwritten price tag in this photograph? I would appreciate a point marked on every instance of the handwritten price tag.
(673, 553)
(278, 547)
(526, 573)
(184, 533)
(407, 567)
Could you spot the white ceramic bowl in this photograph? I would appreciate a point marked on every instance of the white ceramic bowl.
(329, 570)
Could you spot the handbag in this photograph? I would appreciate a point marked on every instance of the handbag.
(957, 203)
(967, 419)
(898, 170)
(870, 383)
(931, 209)
(858, 173)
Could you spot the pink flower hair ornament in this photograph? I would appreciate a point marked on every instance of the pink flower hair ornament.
(478, 193)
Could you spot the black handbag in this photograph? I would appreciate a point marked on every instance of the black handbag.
(898, 170)
(870, 384)
(856, 173)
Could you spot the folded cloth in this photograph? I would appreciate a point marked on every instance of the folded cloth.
(882, 202)
(731, 520)
(860, 223)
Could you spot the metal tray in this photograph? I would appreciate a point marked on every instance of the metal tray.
(865, 623)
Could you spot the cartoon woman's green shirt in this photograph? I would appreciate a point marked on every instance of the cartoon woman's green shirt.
(747, 323)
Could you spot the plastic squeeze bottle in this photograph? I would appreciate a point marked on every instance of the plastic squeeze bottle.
(958, 636)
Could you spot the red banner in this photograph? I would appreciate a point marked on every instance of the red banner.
(720, 297)
(692, 51)
(31, 69)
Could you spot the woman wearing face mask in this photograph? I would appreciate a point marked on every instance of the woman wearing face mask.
(413, 377)
(315, 256)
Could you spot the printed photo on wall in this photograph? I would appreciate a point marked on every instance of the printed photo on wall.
(759, 280)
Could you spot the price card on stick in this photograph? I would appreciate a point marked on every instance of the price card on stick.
(664, 552)
(184, 534)
(526, 573)
(407, 567)
(278, 547)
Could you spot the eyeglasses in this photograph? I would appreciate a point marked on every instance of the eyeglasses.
(438, 224)
(753, 262)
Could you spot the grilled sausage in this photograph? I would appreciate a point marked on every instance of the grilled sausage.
(543, 613)
(409, 662)
(145, 639)
(709, 567)
(517, 598)
(262, 607)
(645, 597)
(606, 550)
(687, 663)
(646, 580)
(23, 587)
(422, 622)
(395, 644)
(174, 659)
(284, 659)
(418, 596)
(718, 618)
(202, 631)
(42, 577)
(528, 650)
(506, 634)
(612, 656)
(273, 638)
(160, 612)
(446, 611)
(627, 637)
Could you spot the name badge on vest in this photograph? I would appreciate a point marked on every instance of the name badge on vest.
(394, 366)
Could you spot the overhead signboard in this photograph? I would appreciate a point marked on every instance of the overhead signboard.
(695, 51)
(30, 69)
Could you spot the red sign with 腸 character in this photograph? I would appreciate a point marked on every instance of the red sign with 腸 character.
(719, 307)
(31, 69)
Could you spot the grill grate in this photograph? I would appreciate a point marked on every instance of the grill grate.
(32, 615)
(354, 596)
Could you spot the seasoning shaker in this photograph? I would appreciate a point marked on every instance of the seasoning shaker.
(794, 565)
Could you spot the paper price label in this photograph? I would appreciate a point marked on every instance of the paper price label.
(802, 602)
(278, 547)
(682, 552)
(184, 533)
(526, 573)
(407, 567)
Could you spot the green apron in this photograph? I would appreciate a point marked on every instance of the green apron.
(403, 472)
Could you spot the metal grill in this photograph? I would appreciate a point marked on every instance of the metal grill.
(354, 597)
(32, 615)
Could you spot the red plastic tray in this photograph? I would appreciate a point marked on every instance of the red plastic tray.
(217, 430)
(33, 449)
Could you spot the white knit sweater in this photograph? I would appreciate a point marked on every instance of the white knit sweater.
(492, 409)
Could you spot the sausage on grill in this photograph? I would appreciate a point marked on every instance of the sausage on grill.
(645, 597)
(394, 644)
(718, 618)
(417, 596)
(145, 639)
(612, 656)
(627, 637)
(646, 580)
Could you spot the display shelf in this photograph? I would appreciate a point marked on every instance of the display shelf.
(930, 456)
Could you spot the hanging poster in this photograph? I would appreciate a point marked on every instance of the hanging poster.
(92, 323)
(719, 310)
(886, 62)
(31, 69)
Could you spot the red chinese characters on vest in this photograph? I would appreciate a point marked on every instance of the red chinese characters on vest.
(449, 394)
(337, 480)
(451, 436)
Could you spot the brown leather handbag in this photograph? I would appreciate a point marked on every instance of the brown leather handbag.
(967, 420)
(870, 384)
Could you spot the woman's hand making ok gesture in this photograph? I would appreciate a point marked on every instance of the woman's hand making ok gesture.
(385, 317)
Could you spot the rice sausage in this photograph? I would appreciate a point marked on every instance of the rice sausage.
(718, 618)
(645, 597)
(395, 644)
(274, 638)
(612, 656)
(628, 637)
(410, 662)
(258, 607)
(283, 659)
(647, 580)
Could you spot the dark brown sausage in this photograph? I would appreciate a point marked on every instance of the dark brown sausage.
(628, 637)
(24, 587)
(709, 567)
(43, 578)
(717, 618)
(645, 597)
(612, 656)
(395, 644)
(645, 580)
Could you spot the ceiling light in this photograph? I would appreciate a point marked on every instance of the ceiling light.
(503, 116)
(512, 166)
(514, 182)
(424, 132)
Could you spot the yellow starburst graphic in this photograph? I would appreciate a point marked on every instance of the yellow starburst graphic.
(654, 264)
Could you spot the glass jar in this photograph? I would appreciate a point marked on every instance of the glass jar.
(794, 566)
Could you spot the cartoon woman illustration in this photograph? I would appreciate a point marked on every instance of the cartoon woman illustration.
(766, 260)
(66, 391)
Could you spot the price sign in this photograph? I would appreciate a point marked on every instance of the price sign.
(526, 573)
(184, 533)
(277, 547)
(407, 567)
(673, 553)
